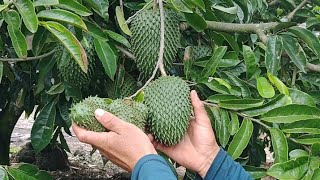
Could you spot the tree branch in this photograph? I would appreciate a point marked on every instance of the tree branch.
(242, 28)
(28, 58)
(126, 52)
(161, 51)
(313, 67)
(290, 15)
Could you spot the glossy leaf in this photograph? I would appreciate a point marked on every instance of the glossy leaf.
(293, 169)
(273, 54)
(239, 104)
(3, 6)
(280, 100)
(39, 40)
(212, 64)
(100, 6)
(279, 145)
(256, 172)
(28, 14)
(300, 97)
(45, 2)
(196, 21)
(1, 70)
(297, 153)
(74, 6)
(291, 113)
(70, 42)
(250, 61)
(295, 52)
(279, 84)
(43, 127)
(64, 16)
(316, 175)
(233, 126)
(117, 37)
(18, 41)
(308, 139)
(245, 91)
(199, 3)
(56, 89)
(315, 149)
(308, 37)
(44, 67)
(223, 82)
(107, 57)
(3, 174)
(122, 21)
(311, 126)
(265, 89)
(216, 86)
(95, 31)
(12, 18)
(241, 139)
(18, 174)
(180, 5)
(224, 135)
(221, 97)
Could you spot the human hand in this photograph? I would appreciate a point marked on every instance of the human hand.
(124, 144)
(199, 148)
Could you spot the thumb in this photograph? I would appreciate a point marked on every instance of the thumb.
(108, 120)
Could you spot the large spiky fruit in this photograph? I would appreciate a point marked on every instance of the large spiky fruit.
(127, 88)
(168, 103)
(83, 113)
(130, 111)
(71, 72)
(146, 39)
(201, 52)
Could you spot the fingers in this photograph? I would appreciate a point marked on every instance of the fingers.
(108, 120)
(97, 139)
(199, 110)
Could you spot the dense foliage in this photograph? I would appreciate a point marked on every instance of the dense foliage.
(254, 62)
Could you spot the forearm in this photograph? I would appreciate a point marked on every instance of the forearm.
(152, 167)
(224, 167)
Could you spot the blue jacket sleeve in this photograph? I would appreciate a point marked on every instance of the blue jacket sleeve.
(152, 167)
(224, 167)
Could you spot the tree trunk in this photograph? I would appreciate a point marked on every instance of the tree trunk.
(8, 119)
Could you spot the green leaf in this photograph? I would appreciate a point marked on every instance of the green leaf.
(273, 54)
(12, 18)
(95, 31)
(279, 145)
(56, 89)
(64, 143)
(212, 64)
(44, 67)
(216, 86)
(107, 57)
(70, 42)
(297, 153)
(223, 83)
(250, 61)
(308, 139)
(39, 40)
(1, 70)
(64, 112)
(221, 97)
(28, 14)
(265, 89)
(245, 91)
(300, 97)
(293, 169)
(117, 37)
(256, 172)
(18, 174)
(224, 135)
(100, 7)
(3, 6)
(315, 149)
(64, 16)
(311, 126)
(283, 89)
(18, 41)
(308, 37)
(196, 21)
(45, 2)
(122, 21)
(295, 52)
(239, 104)
(278, 101)
(139, 97)
(233, 126)
(291, 113)
(229, 10)
(199, 3)
(180, 5)
(43, 127)
(74, 6)
(3, 174)
(316, 175)
(241, 139)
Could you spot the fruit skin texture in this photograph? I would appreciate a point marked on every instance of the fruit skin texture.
(71, 72)
(201, 52)
(127, 88)
(83, 113)
(146, 39)
(168, 102)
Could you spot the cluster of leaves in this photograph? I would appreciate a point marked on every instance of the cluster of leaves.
(23, 171)
(260, 85)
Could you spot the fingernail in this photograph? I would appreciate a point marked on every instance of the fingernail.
(194, 93)
(99, 113)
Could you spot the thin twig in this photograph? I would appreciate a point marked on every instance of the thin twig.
(304, 146)
(161, 51)
(294, 77)
(28, 58)
(290, 15)
(121, 4)
(313, 67)
(144, 7)
(275, 2)
(178, 64)
(126, 52)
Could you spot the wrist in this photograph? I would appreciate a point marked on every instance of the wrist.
(208, 162)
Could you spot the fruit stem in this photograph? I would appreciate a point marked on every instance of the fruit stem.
(161, 52)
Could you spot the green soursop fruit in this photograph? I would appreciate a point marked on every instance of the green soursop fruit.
(199, 52)
(130, 111)
(71, 72)
(146, 39)
(83, 113)
(127, 88)
(168, 103)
